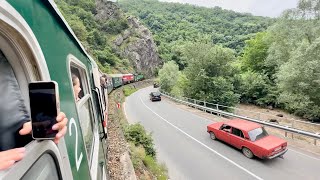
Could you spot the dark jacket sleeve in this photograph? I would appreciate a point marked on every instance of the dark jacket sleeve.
(13, 111)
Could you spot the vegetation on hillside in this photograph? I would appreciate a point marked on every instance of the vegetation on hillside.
(174, 24)
(95, 34)
(143, 153)
(279, 67)
(127, 90)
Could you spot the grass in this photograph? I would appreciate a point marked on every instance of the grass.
(127, 90)
(143, 154)
(142, 161)
(158, 170)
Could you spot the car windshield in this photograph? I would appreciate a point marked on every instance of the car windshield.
(156, 93)
(257, 134)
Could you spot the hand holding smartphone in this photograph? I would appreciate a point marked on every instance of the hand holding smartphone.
(44, 105)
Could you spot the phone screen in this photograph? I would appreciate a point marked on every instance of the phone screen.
(43, 107)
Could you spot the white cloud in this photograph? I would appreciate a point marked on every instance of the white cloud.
(271, 8)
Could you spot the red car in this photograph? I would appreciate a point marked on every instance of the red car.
(250, 137)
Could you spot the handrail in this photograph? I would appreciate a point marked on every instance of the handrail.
(286, 128)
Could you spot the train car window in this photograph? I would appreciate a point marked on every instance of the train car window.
(78, 81)
(44, 168)
(85, 115)
(83, 99)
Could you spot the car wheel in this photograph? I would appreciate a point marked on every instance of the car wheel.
(213, 136)
(247, 153)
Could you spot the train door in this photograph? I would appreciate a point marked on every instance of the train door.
(23, 62)
(100, 97)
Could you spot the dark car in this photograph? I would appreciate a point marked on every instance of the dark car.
(155, 96)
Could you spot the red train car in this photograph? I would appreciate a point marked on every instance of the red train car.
(127, 78)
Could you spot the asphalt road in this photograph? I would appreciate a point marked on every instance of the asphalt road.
(183, 144)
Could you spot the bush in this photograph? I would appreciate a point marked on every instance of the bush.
(160, 171)
(141, 160)
(255, 89)
(115, 26)
(136, 134)
(128, 90)
(106, 56)
(168, 75)
(137, 155)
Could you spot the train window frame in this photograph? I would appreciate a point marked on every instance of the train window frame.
(22, 49)
(49, 165)
(73, 62)
(34, 152)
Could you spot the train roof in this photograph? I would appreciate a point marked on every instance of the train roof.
(115, 75)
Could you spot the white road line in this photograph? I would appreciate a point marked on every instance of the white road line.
(304, 154)
(247, 171)
(195, 115)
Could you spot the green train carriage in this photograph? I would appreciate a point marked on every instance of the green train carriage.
(116, 80)
(138, 77)
(40, 46)
(109, 84)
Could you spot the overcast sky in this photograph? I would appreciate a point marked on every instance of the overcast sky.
(270, 8)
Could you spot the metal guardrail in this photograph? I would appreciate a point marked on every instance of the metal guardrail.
(316, 136)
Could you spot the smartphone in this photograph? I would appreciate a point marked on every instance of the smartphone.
(44, 106)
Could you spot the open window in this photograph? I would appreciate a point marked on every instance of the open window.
(225, 128)
(237, 132)
(22, 62)
(83, 99)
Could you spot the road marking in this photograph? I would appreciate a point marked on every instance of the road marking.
(198, 116)
(247, 171)
(304, 154)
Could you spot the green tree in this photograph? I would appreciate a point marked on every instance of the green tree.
(180, 86)
(299, 81)
(255, 54)
(256, 89)
(168, 75)
(210, 73)
(78, 28)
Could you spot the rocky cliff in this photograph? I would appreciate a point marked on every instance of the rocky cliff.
(134, 43)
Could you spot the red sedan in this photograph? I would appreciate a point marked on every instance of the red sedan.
(250, 137)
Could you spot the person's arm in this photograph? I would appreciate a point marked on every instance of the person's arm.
(9, 157)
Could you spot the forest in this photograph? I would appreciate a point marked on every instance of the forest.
(278, 66)
(217, 55)
(174, 24)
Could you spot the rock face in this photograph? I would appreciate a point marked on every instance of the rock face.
(135, 43)
(142, 51)
(106, 9)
